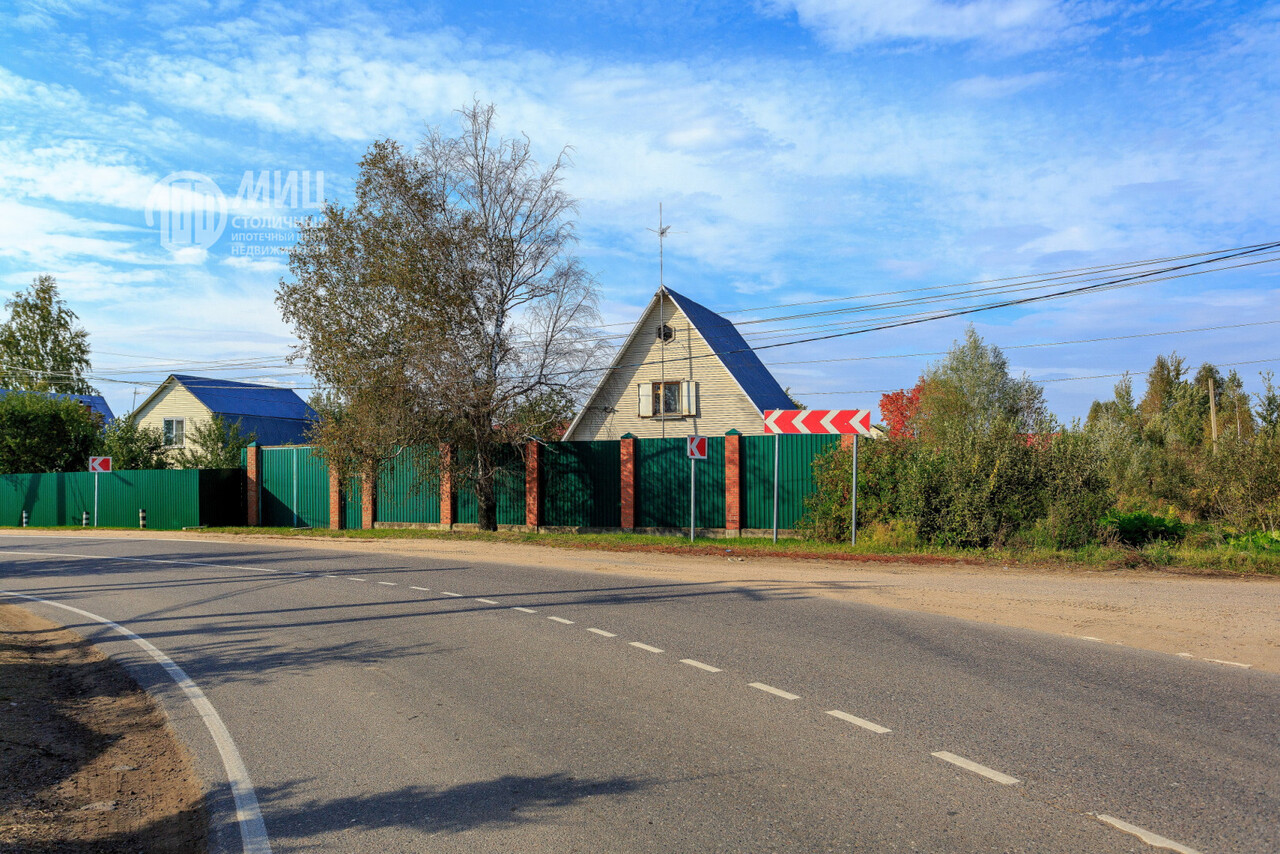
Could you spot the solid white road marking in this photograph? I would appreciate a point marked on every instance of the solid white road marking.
(700, 665)
(602, 633)
(1229, 663)
(786, 695)
(645, 647)
(488, 601)
(865, 724)
(1152, 839)
(253, 833)
(969, 765)
(524, 610)
(387, 583)
(423, 589)
(447, 593)
(561, 620)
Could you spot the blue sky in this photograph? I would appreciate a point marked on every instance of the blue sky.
(802, 149)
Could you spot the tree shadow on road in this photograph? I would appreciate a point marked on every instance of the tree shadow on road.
(504, 801)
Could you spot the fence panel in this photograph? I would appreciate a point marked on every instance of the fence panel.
(171, 498)
(295, 488)
(662, 484)
(508, 492)
(409, 487)
(795, 479)
(582, 484)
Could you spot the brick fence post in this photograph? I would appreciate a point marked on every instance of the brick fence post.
(446, 487)
(628, 490)
(533, 485)
(733, 483)
(335, 500)
(253, 484)
(368, 497)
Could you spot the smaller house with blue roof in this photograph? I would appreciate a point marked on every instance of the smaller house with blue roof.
(273, 416)
(684, 370)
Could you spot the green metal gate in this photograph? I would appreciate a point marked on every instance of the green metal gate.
(662, 484)
(409, 487)
(795, 479)
(295, 488)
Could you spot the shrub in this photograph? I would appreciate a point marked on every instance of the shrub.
(1138, 529)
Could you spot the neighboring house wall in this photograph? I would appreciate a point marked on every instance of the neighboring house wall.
(720, 404)
(174, 401)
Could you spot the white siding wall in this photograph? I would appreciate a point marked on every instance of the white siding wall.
(173, 401)
(722, 405)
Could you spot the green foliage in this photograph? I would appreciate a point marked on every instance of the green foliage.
(1139, 528)
(1258, 541)
(41, 346)
(40, 434)
(131, 446)
(213, 444)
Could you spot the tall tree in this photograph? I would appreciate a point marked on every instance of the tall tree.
(42, 348)
(39, 434)
(445, 305)
(213, 444)
(132, 446)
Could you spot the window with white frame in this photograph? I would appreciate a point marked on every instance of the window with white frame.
(175, 432)
(667, 398)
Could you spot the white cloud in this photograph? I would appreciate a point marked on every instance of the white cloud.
(1015, 24)
(984, 86)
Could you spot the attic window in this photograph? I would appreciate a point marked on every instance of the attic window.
(665, 333)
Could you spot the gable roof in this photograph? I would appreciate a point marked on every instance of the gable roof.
(227, 397)
(95, 402)
(728, 345)
(735, 354)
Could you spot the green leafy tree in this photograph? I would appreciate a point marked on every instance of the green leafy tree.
(1269, 407)
(213, 444)
(444, 303)
(971, 391)
(42, 348)
(132, 446)
(40, 434)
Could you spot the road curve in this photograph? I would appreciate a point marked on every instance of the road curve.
(394, 703)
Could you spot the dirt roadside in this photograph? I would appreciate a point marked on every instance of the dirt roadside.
(1206, 617)
(88, 763)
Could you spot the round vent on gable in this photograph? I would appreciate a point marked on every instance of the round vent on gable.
(665, 333)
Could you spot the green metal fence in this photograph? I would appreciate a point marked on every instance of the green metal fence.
(662, 484)
(172, 499)
(795, 480)
(582, 484)
(508, 489)
(350, 502)
(409, 487)
(295, 488)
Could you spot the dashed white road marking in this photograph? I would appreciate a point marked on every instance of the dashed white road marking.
(487, 601)
(970, 765)
(253, 832)
(560, 620)
(1229, 663)
(602, 633)
(352, 578)
(1086, 637)
(1152, 839)
(523, 610)
(387, 583)
(258, 569)
(786, 695)
(1185, 655)
(700, 665)
(853, 719)
(423, 589)
(447, 593)
(333, 576)
(645, 647)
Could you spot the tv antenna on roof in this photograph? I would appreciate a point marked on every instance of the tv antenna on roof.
(662, 231)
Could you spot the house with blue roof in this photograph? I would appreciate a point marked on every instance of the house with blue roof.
(683, 370)
(273, 416)
(95, 403)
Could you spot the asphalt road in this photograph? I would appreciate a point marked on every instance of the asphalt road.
(388, 704)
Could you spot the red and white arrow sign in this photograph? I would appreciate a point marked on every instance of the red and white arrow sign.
(818, 421)
(100, 464)
(697, 447)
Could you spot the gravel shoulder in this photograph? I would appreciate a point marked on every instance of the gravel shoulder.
(88, 762)
(1223, 618)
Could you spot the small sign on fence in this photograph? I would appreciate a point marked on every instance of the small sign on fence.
(100, 465)
(697, 446)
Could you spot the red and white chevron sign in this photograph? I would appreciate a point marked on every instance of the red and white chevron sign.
(818, 421)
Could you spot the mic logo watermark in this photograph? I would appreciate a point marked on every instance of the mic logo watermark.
(192, 212)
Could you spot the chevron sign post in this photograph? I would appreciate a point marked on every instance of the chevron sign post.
(855, 421)
(810, 421)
